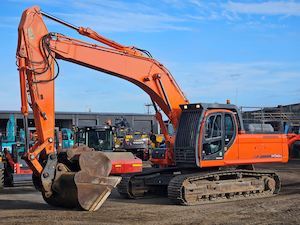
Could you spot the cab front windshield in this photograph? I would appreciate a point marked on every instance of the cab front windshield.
(100, 140)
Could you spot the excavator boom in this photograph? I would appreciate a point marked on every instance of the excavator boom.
(37, 55)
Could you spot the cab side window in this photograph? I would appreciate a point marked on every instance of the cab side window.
(217, 132)
(65, 135)
(229, 129)
(209, 126)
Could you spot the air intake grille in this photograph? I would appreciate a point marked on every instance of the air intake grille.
(186, 137)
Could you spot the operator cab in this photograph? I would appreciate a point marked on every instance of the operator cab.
(211, 131)
(98, 137)
(67, 138)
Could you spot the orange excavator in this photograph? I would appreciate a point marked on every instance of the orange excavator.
(210, 158)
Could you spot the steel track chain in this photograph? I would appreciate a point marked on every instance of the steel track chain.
(123, 187)
(175, 188)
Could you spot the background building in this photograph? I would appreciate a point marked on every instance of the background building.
(278, 116)
(138, 122)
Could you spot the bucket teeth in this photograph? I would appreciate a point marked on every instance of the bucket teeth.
(82, 180)
(93, 191)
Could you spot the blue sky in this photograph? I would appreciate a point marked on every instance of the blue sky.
(246, 51)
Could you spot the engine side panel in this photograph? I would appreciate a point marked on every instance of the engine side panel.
(263, 147)
(253, 149)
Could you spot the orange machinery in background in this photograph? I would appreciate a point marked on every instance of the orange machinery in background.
(210, 157)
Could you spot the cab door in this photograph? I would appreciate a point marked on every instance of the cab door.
(213, 137)
(219, 134)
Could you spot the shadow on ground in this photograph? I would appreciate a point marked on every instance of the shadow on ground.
(23, 204)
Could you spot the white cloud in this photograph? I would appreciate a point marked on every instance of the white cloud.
(34, 2)
(245, 12)
(9, 21)
(287, 8)
(250, 83)
(126, 22)
(154, 16)
(118, 16)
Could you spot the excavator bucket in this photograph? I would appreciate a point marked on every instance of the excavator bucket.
(81, 180)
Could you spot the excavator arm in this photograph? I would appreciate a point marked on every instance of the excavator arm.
(37, 54)
(145, 72)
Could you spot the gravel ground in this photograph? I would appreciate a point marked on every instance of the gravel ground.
(23, 205)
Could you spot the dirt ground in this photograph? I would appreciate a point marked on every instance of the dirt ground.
(23, 205)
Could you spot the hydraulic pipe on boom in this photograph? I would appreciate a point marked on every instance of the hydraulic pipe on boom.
(194, 166)
(94, 35)
(170, 109)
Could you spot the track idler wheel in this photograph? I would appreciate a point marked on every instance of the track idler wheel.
(270, 184)
(81, 180)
